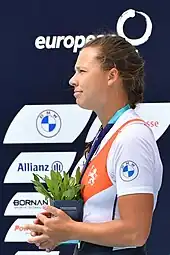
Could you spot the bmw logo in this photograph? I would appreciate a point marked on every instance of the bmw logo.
(48, 123)
(129, 171)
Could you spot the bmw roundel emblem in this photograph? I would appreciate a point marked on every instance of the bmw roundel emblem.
(48, 123)
(129, 170)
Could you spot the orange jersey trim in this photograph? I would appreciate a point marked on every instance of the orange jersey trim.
(95, 178)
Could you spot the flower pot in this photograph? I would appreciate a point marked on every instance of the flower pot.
(73, 208)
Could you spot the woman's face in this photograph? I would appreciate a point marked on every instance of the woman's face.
(90, 80)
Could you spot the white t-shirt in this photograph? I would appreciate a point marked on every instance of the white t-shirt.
(133, 165)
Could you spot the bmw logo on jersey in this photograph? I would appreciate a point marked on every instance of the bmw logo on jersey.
(129, 171)
(48, 123)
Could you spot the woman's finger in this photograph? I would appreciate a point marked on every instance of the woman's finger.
(37, 221)
(34, 228)
(46, 245)
(33, 233)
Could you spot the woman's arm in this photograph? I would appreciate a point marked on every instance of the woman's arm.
(132, 229)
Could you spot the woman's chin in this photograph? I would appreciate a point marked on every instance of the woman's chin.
(82, 104)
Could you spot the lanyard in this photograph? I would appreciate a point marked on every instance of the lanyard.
(101, 134)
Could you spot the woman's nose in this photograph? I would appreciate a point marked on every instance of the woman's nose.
(72, 81)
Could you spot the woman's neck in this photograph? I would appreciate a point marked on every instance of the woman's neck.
(106, 113)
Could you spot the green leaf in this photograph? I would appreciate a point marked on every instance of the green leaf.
(53, 188)
(42, 178)
(78, 187)
(78, 175)
(57, 192)
(69, 194)
(43, 192)
(56, 177)
(41, 188)
(35, 177)
(56, 183)
(65, 181)
(72, 181)
(78, 191)
(48, 182)
(61, 189)
(59, 176)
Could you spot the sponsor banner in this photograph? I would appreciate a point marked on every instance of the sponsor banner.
(16, 233)
(77, 42)
(23, 167)
(150, 112)
(26, 203)
(47, 124)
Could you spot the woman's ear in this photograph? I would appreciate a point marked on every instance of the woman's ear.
(113, 76)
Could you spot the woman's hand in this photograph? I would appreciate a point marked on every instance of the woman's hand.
(51, 231)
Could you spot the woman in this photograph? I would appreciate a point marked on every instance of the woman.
(123, 172)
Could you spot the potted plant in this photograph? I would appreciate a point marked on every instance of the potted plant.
(64, 192)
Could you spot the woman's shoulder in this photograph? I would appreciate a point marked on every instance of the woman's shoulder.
(136, 131)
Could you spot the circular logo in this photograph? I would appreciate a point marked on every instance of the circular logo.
(129, 171)
(57, 166)
(131, 14)
(48, 123)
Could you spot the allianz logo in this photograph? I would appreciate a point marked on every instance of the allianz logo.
(31, 167)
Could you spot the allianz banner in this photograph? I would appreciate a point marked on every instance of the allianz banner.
(40, 41)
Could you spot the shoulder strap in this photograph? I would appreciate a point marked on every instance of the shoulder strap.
(130, 121)
(110, 141)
